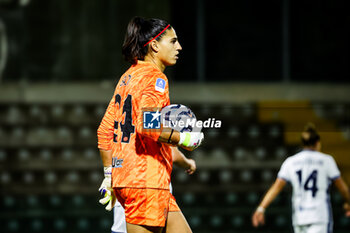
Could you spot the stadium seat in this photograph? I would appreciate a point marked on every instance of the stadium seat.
(78, 200)
(195, 221)
(86, 136)
(216, 221)
(281, 153)
(233, 132)
(281, 221)
(5, 177)
(64, 136)
(55, 200)
(252, 198)
(96, 177)
(212, 134)
(260, 153)
(40, 136)
(204, 176)
(17, 136)
(91, 154)
(231, 198)
(60, 224)
(73, 177)
(275, 131)
(32, 201)
(57, 113)
(83, 224)
(267, 176)
(210, 199)
(226, 110)
(29, 178)
(67, 154)
(13, 225)
(8, 201)
(46, 154)
(99, 112)
(226, 176)
(51, 177)
(37, 114)
(23, 155)
(105, 223)
(248, 110)
(37, 225)
(3, 136)
(199, 154)
(220, 155)
(246, 176)
(237, 221)
(240, 154)
(180, 176)
(254, 132)
(3, 156)
(78, 115)
(205, 111)
(14, 115)
(188, 198)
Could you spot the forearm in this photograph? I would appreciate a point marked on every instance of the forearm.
(106, 157)
(179, 158)
(187, 140)
(343, 189)
(169, 136)
(272, 193)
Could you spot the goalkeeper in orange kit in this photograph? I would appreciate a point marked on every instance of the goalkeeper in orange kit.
(139, 161)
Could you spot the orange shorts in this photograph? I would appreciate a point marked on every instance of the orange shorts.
(146, 206)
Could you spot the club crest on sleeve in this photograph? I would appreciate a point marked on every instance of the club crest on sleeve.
(160, 85)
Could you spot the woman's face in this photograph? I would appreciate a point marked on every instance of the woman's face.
(168, 48)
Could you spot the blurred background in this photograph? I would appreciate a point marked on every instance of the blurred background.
(264, 68)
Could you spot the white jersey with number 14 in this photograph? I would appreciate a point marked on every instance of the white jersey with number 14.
(311, 174)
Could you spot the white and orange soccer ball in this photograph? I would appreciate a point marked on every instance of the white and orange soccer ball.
(180, 118)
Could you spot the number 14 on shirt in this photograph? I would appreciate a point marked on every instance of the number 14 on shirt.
(310, 183)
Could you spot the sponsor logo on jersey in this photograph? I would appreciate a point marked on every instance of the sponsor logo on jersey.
(160, 85)
(117, 162)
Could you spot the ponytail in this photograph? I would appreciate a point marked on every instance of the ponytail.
(139, 32)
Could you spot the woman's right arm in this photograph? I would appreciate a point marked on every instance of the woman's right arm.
(105, 134)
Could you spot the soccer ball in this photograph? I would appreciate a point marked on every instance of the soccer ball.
(180, 118)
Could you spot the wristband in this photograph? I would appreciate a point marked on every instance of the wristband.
(260, 209)
(107, 171)
(185, 139)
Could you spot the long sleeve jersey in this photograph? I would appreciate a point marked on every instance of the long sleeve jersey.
(139, 160)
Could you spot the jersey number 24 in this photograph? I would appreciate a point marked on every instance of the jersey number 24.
(127, 128)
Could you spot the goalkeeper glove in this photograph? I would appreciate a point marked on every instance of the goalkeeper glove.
(107, 190)
(191, 140)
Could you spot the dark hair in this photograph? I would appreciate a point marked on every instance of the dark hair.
(138, 33)
(309, 137)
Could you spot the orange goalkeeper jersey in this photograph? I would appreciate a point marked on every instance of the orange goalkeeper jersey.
(139, 160)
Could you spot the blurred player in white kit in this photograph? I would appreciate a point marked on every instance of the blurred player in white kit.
(310, 173)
